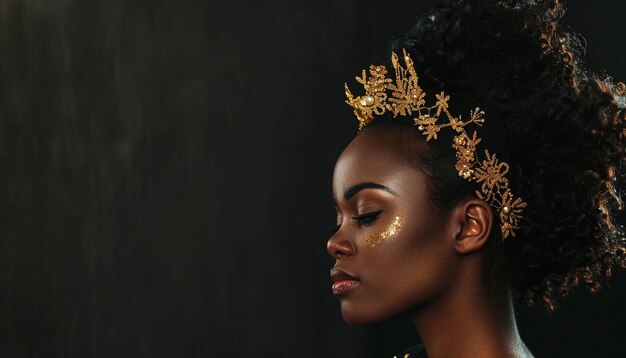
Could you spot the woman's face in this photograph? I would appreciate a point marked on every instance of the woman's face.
(389, 240)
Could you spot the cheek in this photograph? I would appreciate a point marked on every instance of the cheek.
(401, 271)
(390, 233)
(418, 274)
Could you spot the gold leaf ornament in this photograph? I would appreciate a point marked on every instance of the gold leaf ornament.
(403, 96)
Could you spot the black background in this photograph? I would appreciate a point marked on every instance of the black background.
(166, 177)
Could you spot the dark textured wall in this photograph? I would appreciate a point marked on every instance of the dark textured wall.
(166, 179)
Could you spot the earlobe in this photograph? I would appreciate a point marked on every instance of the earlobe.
(475, 219)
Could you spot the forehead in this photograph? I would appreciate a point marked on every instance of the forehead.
(378, 156)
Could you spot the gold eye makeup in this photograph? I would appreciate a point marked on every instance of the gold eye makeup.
(387, 234)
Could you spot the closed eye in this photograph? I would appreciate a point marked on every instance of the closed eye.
(367, 219)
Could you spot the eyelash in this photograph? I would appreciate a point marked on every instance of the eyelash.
(366, 219)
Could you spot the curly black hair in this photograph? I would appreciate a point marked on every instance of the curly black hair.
(560, 127)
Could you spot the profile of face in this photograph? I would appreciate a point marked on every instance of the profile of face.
(390, 247)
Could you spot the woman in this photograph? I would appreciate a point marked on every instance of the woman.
(487, 172)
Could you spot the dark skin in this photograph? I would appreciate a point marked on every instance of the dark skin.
(431, 268)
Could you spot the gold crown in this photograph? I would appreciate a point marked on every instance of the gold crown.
(406, 98)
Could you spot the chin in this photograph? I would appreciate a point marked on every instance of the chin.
(363, 314)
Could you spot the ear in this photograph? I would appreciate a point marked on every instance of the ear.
(472, 221)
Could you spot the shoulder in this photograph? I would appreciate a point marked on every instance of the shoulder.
(416, 351)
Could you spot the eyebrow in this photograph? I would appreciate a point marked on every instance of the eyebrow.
(351, 191)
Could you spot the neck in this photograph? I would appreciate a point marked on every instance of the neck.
(467, 322)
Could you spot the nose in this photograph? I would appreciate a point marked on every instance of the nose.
(339, 246)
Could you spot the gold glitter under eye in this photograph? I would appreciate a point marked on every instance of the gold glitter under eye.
(389, 233)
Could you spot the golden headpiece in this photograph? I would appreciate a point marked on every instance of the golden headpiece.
(406, 98)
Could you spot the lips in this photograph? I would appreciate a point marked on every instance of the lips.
(342, 281)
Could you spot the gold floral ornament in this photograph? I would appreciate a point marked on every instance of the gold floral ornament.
(405, 97)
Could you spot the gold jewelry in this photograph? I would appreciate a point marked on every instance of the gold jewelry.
(405, 97)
